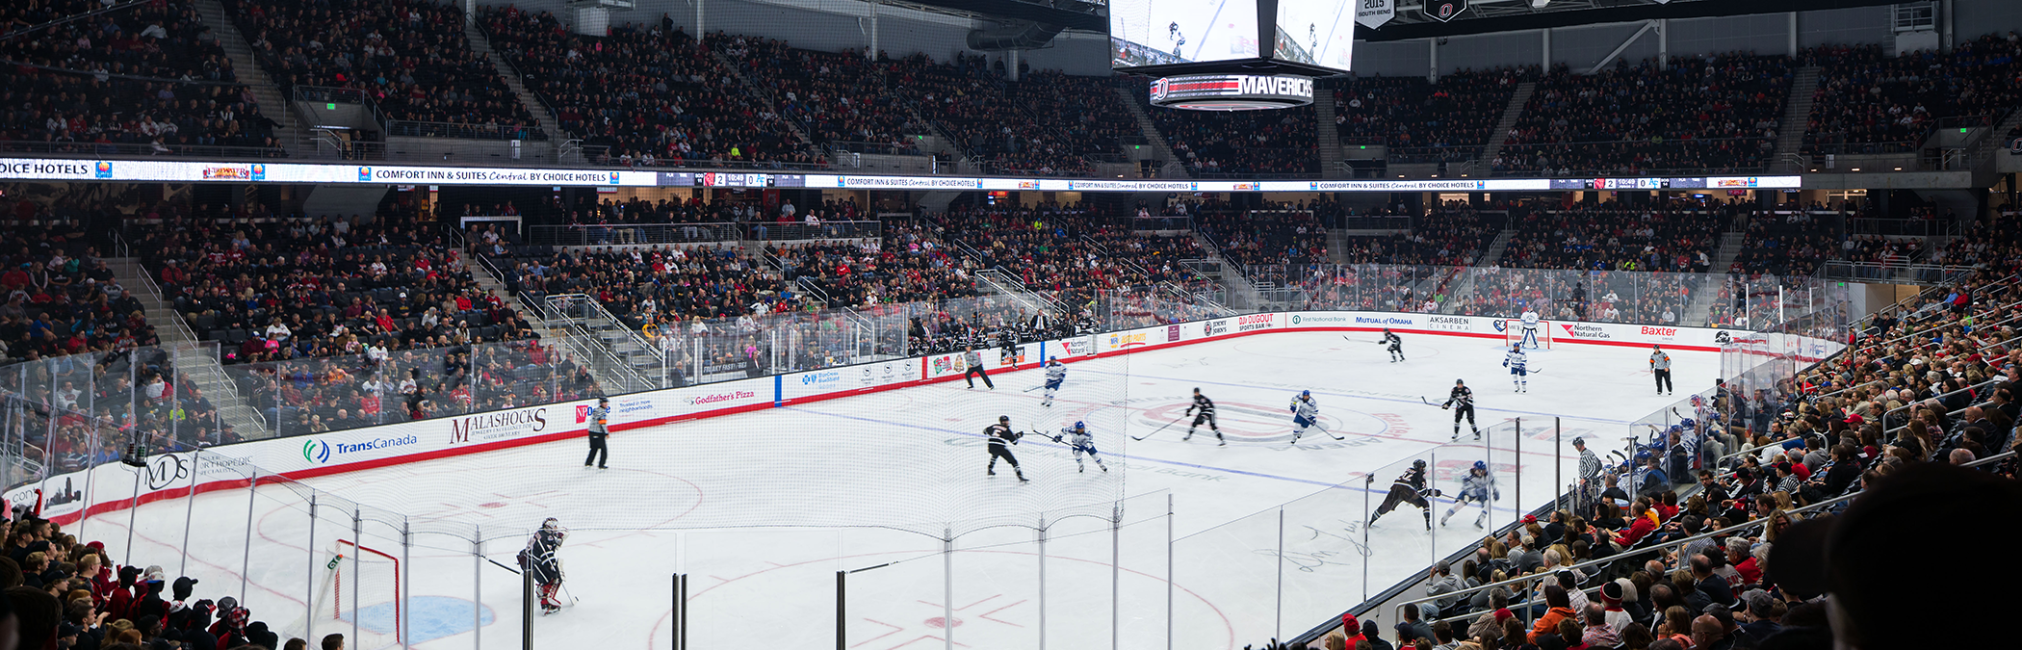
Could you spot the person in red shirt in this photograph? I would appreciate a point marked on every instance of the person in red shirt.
(1644, 521)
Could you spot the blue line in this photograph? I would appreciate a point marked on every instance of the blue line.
(1478, 405)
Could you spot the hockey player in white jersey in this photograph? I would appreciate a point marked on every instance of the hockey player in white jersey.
(1305, 413)
(1478, 488)
(1530, 319)
(1519, 378)
(1056, 372)
(1083, 442)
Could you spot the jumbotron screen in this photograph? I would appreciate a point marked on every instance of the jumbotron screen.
(1317, 32)
(1165, 32)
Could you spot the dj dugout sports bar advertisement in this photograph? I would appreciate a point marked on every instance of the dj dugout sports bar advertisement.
(243, 172)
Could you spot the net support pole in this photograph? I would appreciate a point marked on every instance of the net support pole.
(1168, 571)
(309, 586)
(1278, 616)
(1558, 463)
(1488, 452)
(252, 503)
(840, 643)
(526, 608)
(190, 507)
(948, 587)
(684, 611)
(477, 588)
(1430, 503)
(84, 518)
(1520, 470)
(1115, 576)
(404, 617)
(133, 509)
(1368, 483)
(357, 544)
(1042, 582)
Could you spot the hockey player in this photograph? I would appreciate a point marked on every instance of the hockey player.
(1409, 488)
(1083, 442)
(1001, 438)
(1660, 366)
(1461, 400)
(1179, 39)
(1519, 378)
(1305, 413)
(1478, 488)
(538, 560)
(1207, 414)
(1007, 348)
(1530, 319)
(1056, 372)
(1396, 345)
(600, 417)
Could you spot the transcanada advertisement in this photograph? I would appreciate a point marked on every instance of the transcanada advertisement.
(108, 487)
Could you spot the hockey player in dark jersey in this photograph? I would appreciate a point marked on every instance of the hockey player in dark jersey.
(1394, 344)
(1409, 488)
(1206, 408)
(1461, 400)
(1001, 438)
(539, 560)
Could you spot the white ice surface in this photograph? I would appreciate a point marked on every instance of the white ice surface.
(730, 502)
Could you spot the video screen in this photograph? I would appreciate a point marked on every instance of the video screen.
(1165, 32)
(1317, 32)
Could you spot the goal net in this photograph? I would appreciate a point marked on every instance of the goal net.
(1513, 332)
(357, 583)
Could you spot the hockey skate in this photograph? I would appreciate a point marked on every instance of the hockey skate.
(1188, 436)
(1428, 520)
(1477, 434)
(1478, 521)
(1443, 518)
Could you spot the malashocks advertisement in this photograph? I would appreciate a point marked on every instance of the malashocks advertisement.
(501, 425)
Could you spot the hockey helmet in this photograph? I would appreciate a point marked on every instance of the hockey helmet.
(1688, 424)
(551, 523)
(1579, 442)
(1418, 463)
(1079, 426)
(1458, 382)
(1003, 418)
(1480, 466)
(1197, 390)
(603, 400)
(1053, 361)
(1697, 400)
(1305, 393)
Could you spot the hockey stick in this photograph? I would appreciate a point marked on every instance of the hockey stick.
(1153, 431)
(1324, 430)
(502, 565)
(1359, 340)
(1429, 402)
(1028, 390)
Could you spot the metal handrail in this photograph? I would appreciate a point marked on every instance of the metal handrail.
(1625, 554)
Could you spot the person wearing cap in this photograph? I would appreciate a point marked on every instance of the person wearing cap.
(1001, 438)
(1613, 595)
(599, 429)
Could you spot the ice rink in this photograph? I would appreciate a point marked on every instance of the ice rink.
(762, 509)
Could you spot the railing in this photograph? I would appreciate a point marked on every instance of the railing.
(634, 363)
(603, 156)
(139, 150)
(1902, 227)
(839, 147)
(410, 128)
(605, 235)
(1375, 223)
(1896, 273)
(796, 231)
